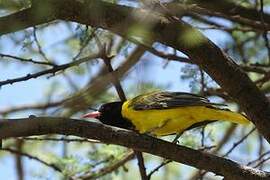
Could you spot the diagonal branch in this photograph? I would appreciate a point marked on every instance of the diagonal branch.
(40, 106)
(108, 169)
(111, 135)
(224, 9)
(26, 60)
(13, 151)
(239, 142)
(52, 70)
(40, 50)
(82, 100)
(231, 8)
(26, 18)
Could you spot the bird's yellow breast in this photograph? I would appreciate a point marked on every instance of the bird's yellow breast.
(175, 120)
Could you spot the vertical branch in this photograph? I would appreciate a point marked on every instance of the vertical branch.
(116, 82)
(122, 96)
(202, 81)
(107, 60)
(200, 174)
(141, 165)
(65, 149)
(261, 149)
(39, 46)
(203, 87)
(18, 159)
(203, 136)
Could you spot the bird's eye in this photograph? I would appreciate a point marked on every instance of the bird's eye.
(103, 108)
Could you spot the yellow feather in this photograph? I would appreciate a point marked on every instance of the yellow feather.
(175, 120)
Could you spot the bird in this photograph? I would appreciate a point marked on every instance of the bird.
(161, 113)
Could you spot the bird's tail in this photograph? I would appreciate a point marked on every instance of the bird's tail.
(227, 115)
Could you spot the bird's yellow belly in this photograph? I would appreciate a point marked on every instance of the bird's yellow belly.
(166, 121)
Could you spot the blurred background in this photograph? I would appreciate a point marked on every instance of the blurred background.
(78, 48)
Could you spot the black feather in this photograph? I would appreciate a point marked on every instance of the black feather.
(167, 100)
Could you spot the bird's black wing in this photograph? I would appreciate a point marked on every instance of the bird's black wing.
(166, 100)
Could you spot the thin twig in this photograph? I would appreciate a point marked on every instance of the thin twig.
(49, 71)
(260, 65)
(263, 80)
(228, 134)
(100, 82)
(85, 43)
(19, 161)
(108, 169)
(261, 148)
(239, 142)
(26, 60)
(202, 136)
(38, 45)
(253, 68)
(259, 158)
(141, 165)
(172, 57)
(261, 162)
(107, 60)
(165, 162)
(68, 140)
(71, 82)
(31, 107)
(13, 151)
(203, 87)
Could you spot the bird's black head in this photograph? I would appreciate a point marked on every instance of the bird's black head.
(110, 114)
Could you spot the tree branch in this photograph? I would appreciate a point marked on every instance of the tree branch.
(224, 9)
(40, 106)
(108, 169)
(52, 70)
(82, 100)
(27, 18)
(68, 140)
(231, 8)
(53, 166)
(111, 135)
(26, 60)
(18, 159)
(239, 142)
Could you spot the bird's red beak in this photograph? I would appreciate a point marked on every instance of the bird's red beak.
(92, 115)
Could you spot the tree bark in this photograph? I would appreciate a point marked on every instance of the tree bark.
(111, 135)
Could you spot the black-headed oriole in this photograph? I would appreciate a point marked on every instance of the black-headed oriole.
(164, 113)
